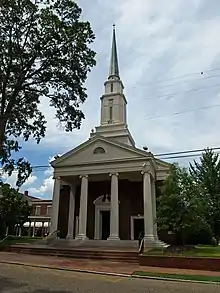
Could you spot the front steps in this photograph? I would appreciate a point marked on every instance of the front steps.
(111, 244)
(95, 253)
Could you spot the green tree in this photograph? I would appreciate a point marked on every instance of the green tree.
(45, 54)
(206, 174)
(179, 208)
(14, 209)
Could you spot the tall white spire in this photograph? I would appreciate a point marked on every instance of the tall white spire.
(114, 68)
(113, 122)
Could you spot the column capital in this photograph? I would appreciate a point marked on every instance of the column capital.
(83, 176)
(56, 178)
(115, 173)
(143, 172)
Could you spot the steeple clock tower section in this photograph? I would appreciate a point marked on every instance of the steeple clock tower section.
(113, 124)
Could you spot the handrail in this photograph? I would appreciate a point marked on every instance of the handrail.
(4, 239)
(52, 234)
(141, 245)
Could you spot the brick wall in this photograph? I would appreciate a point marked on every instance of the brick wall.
(43, 208)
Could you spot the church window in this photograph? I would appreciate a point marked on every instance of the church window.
(111, 87)
(37, 210)
(110, 110)
(99, 150)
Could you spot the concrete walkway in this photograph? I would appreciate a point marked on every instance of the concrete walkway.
(96, 266)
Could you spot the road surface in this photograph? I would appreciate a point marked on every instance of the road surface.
(21, 279)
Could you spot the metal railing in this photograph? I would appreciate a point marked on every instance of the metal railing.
(52, 236)
(4, 239)
(141, 246)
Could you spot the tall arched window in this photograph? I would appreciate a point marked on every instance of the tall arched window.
(111, 87)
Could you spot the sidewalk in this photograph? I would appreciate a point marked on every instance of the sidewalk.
(96, 266)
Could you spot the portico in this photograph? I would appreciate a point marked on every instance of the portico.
(106, 181)
(125, 193)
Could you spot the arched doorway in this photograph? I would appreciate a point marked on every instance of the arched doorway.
(102, 217)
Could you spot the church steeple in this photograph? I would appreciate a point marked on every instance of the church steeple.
(114, 68)
(113, 122)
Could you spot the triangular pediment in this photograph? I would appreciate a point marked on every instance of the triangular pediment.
(98, 150)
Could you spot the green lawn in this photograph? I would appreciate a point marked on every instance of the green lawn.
(180, 277)
(199, 251)
(17, 240)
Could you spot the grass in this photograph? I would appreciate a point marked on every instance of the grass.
(17, 240)
(198, 251)
(178, 276)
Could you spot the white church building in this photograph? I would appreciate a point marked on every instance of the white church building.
(106, 188)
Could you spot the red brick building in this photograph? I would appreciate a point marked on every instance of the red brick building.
(39, 220)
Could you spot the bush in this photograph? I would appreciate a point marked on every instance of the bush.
(202, 236)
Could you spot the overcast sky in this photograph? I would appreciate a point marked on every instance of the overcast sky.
(163, 48)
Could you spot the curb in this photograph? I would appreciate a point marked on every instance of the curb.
(175, 280)
(109, 274)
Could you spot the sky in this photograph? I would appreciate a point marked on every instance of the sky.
(169, 58)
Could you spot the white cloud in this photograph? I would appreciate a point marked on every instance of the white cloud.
(13, 178)
(44, 190)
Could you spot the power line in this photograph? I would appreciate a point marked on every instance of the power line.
(182, 76)
(188, 80)
(182, 92)
(185, 152)
(164, 156)
(182, 112)
(185, 156)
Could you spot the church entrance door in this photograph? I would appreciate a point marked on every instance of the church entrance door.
(105, 224)
(138, 227)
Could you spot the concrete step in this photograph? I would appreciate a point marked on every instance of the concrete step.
(112, 255)
(96, 243)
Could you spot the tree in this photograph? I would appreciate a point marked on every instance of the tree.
(179, 208)
(206, 174)
(44, 55)
(14, 209)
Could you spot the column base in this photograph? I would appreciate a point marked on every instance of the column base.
(150, 241)
(81, 237)
(69, 236)
(113, 237)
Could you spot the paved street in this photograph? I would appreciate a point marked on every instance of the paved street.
(21, 279)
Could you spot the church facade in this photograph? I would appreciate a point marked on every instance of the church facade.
(106, 188)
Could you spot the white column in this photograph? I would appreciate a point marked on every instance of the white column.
(55, 206)
(114, 215)
(16, 230)
(6, 233)
(77, 226)
(34, 229)
(97, 224)
(29, 229)
(19, 231)
(71, 212)
(148, 209)
(83, 208)
(153, 194)
(42, 232)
